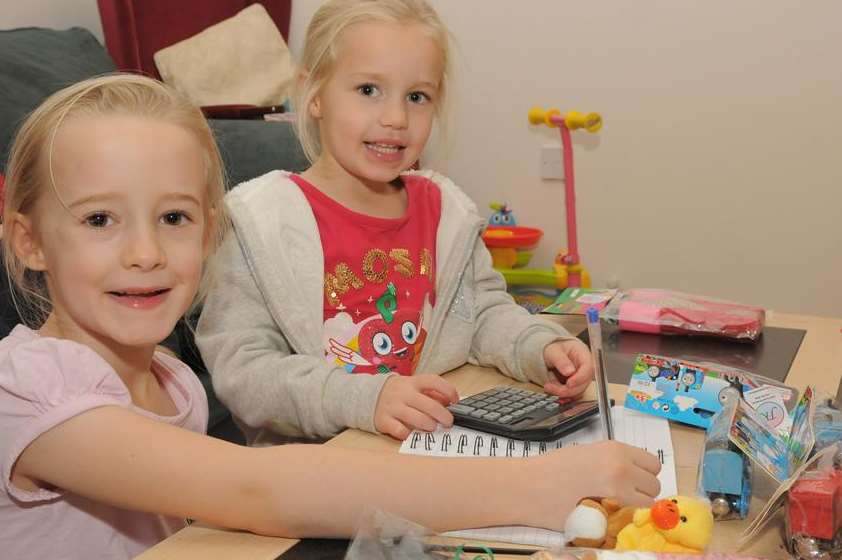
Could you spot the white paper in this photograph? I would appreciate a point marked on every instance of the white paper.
(641, 430)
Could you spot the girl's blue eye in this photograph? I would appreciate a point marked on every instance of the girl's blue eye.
(369, 90)
(418, 97)
(98, 219)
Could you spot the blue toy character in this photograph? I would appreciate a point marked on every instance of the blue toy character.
(726, 471)
(689, 379)
(668, 372)
(502, 216)
(726, 481)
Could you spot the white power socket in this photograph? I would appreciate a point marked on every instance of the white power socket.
(552, 167)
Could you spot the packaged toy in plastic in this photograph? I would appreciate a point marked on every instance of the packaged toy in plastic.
(692, 392)
(667, 312)
(724, 471)
(814, 512)
(812, 491)
(827, 424)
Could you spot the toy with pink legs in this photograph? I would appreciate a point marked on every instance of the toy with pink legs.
(577, 276)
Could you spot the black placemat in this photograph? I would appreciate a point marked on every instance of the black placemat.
(317, 549)
(770, 356)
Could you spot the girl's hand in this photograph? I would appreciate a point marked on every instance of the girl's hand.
(607, 468)
(571, 362)
(417, 402)
(620, 470)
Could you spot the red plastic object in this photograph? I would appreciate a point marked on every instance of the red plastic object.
(511, 237)
(667, 312)
(814, 505)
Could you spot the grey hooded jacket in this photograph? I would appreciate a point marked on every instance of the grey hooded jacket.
(260, 332)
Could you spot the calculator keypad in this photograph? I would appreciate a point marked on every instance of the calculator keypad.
(505, 404)
(520, 413)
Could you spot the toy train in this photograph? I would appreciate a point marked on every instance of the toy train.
(814, 502)
(726, 481)
(814, 515)
(726, 471)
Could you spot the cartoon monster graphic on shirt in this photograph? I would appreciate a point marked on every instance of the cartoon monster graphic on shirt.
(390, 341)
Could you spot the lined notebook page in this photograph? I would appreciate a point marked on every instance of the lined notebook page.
(641, 430)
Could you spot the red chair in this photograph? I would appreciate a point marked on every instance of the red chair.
(135, 30)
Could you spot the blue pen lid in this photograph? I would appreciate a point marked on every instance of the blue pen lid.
(593, 314)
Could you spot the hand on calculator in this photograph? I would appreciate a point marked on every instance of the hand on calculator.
(570, 361)
(417, 402)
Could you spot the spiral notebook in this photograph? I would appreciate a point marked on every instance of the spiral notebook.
(641, 430)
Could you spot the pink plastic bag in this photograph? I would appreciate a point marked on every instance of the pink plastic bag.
(667, 312)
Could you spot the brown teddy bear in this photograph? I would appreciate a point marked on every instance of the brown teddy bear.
(595, 523)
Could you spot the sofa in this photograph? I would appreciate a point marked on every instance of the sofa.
(35, 62)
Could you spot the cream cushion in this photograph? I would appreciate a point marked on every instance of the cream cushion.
(241, 60)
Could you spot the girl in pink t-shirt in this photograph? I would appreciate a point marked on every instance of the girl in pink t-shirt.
(113, 203)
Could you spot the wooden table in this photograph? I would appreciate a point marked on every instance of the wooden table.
(818, 363)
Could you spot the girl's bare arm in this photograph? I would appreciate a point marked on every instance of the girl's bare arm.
(115, 456)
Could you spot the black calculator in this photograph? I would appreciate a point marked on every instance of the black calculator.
(521, 414)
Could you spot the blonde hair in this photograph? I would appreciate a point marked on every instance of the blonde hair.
(31, 156)
(318, 60)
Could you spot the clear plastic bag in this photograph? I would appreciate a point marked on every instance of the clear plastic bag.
(384, 536)
(668, 312)
(725, 473)
(827, 424)
(813, 511)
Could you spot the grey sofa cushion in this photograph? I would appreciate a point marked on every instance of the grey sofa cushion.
(251, 148)
(36, 62)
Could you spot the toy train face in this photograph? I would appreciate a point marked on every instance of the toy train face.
(726, 480)
(814, 516)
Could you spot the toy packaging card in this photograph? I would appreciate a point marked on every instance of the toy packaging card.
(576, 301)
(779, 454)
(692, 392)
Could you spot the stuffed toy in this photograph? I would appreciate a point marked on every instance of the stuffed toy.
(595, 523)
(676, 524)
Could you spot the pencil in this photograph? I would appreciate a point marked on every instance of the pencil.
(595, 336)
(480, 549)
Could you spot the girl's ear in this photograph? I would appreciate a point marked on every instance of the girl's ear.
(24, 241)
(315, 107)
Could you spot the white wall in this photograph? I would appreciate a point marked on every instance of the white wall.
(718, 169)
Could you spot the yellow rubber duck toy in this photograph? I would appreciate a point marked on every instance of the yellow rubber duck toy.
(677, 524)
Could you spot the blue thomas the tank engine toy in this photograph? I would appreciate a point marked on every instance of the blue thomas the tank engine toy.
(726, 472)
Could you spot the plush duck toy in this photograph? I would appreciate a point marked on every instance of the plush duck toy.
(676, 524)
